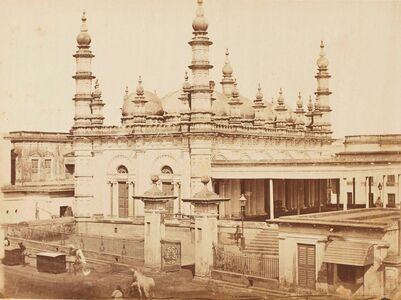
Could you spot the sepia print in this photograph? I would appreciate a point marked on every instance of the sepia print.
(201, 150)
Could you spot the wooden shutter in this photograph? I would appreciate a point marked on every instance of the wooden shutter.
(306, 266)
(122, 199)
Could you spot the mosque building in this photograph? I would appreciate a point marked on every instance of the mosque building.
(282, 159)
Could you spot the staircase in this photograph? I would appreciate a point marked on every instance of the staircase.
(265, 242)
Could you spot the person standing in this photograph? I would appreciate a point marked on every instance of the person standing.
(80, 261)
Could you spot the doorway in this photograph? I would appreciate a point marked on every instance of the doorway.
(122, 199)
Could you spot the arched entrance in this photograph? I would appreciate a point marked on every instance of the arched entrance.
(122, 182)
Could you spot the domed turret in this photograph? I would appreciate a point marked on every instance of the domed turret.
(280, 99)
(310, 104)
(246, 109)
(154, 108)
(322, 62)
(200, 22)
(234, 92)
(227, 69)
(259, 95)
(83, 38)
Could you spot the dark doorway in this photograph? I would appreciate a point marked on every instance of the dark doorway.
(122, 199)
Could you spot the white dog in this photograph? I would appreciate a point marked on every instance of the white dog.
(147, 284)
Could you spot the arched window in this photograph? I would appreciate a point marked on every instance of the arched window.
(122, 170)
(167, 170)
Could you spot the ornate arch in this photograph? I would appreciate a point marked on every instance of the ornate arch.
(219, 156)
(120, 161)
(163, 161)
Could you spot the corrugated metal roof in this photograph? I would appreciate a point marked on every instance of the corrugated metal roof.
(349, 253)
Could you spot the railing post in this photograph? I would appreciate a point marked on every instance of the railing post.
(124, 251)
(81, 243)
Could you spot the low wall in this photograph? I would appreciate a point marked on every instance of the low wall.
(186, 234)
(111, 228)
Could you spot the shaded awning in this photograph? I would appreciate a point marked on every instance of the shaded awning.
(349, 253)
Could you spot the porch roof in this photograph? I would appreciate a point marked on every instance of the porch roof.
(349, 253)
(376, 218)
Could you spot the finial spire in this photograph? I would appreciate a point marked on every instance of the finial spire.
(259, 95)
(139, 88)
(235, 90)
(299, 102)
(126, 89)
(280, 99)
(322, 61)
(200, 23)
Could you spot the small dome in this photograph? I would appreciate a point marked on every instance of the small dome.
(322, 62)
(139, 87)
(83, 39)
(200, 22)
(280, 99)
(155, 108)
(310, 104)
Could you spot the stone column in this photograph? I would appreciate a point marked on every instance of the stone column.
(155, 202)
(367, 191)
(110, 195)
(271, 199)
(205, 211)
(382, 193)
(115, 199)
(398, 203)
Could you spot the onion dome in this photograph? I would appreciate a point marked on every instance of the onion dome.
(322, 62)
(83, 38)
(200, 22)
(299, 101)
(310, 104)
(97, 93)
(259, 95)
(139, 87)
(186, 86)
(154, 108)
(280, 99)
(227, 69)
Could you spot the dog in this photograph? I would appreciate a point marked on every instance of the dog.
(142, 282)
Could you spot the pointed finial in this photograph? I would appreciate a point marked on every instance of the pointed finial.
(139, 88)
(96, 83)
(259, 95)
(83, 38)
(186, 86)
(299, 102)
(126, 90)
(280, 99)
(227, 69)
(322, 61)
(310, 104)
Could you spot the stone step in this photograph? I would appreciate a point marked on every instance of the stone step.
(263, 242)
(261, 251)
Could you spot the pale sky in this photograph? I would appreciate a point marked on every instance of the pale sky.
(275, 43)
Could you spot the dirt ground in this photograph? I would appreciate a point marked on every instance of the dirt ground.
(27, 282)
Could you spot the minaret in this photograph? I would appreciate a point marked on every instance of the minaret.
(323, 92)
(200, 92)
(83, 77)
(317, 116)
(184, 98)
(259, 107)
(235, 106)
(97, 106)
(281, 110)
(227, 83)
(300, 113)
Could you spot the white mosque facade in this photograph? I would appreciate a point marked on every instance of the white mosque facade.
(283, 160)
